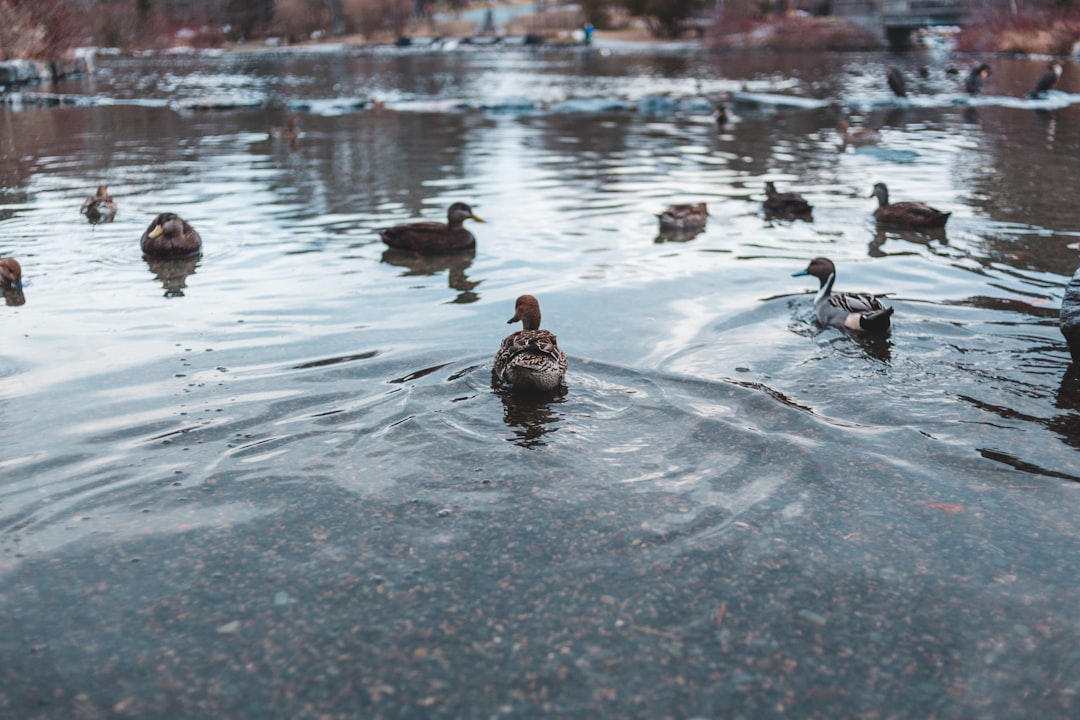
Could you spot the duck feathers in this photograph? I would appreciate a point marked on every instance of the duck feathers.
(530, 359)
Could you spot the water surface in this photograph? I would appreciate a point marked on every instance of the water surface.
(275, 480)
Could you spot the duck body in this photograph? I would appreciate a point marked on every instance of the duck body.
(169, 235)
(896, 83)
(857, 136)
(787, 204)
(10, 273)
(99, 207)
(910, 215)
(684, 217)
(1047, 80)
(291, 132)
(973, 84)
(434, 237)
(530, 359)
(862, 312)
(1070, 316)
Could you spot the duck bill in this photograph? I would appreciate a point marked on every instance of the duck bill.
(477, 218)
(156, 232)
(801, 272)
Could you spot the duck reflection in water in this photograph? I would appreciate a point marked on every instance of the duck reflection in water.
(173, 272)
(532, 416)
(427, 265)
(918, 237)
(1067, 425)
(680, 223)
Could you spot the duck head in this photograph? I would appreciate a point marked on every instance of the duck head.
(527, 312)
(820, 267)
(881, 192)
(459, 212)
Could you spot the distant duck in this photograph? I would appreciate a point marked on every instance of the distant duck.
(684, 217)
(786, 205)
(857, 136)
(530, 359)
(854, 311)
(896, 82)
(1070, 316)
(721, 115)
(910, 215)
(434, 237)
(1047, 80)
(975, 78)
(10, 273)
(170, 236)
(99, 207)
(290, 133)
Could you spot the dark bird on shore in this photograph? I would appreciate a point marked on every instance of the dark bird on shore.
(10, 273)
(99, 207)
(684, 217)
(1070, 316)
(910, 215)
(434, 237)
(896, 82)
(854, 311)
(785, 205)
(975, 78)
(1047, 80)
(169, 235)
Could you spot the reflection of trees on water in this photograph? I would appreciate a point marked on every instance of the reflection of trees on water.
(455, 264)
(173, 272)
(532, 415)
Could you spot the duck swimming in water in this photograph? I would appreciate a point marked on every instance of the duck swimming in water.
(684, 217)
(785, 205)
(896, 82)
(530, 359)
(99, 207)
(1047, 80)
(290, 133)
(434, 237)
(170, 236)
(910, 215)
(10, 273)
(855, 311)
(856, 136)
(975, 78)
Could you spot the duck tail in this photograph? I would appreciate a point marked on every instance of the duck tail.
(876, 321)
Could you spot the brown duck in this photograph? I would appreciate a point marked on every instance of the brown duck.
(530, 359)
(684, 217)
(99, 207)
(911, 215)
(785, 205)
(10, 273)
(434, 237)
(170, 236)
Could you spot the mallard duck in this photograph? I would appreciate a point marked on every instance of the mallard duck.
(896, 82)
(530, 359)
(434, 237)
(290, 133)
(854, 311)
(10, 273)
(856, 136)
(170, 236)
(99, 207)
(1047, 80)
(1070, 316)
(912, 215)
(975, 78)
(684, 217)
(787, 204)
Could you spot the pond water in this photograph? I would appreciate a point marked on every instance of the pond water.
(275, 480)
